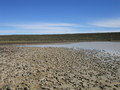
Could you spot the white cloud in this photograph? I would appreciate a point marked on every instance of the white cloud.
(46, 31)
(111, 23)
(57, 28)
(42, 28)
(100, 31)
(41, 25)
(6, 31)
(52, 31)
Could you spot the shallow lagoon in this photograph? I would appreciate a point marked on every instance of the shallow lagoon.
(108, 46)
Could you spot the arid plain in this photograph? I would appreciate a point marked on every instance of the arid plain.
(36, 68)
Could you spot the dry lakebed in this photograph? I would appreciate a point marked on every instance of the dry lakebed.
(58, 68)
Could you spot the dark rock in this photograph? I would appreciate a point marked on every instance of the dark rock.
(25, 88)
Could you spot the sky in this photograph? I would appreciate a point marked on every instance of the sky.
(59, 16)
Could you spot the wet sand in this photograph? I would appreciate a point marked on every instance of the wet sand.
(35, 68)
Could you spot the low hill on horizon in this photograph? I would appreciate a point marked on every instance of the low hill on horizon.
(30, 39)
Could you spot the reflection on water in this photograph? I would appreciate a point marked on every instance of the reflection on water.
(110, 46)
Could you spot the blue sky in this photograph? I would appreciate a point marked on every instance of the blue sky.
(59, 16)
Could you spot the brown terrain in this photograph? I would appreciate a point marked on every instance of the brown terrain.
(27, 68)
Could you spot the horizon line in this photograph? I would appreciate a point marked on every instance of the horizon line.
(60, 34)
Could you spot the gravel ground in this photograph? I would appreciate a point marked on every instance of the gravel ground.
(27, 68)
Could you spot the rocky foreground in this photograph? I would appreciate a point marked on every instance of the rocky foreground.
(23, 68)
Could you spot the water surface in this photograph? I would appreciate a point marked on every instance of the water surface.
(109, 46)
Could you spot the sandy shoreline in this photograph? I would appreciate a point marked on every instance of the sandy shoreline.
(27, 68)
